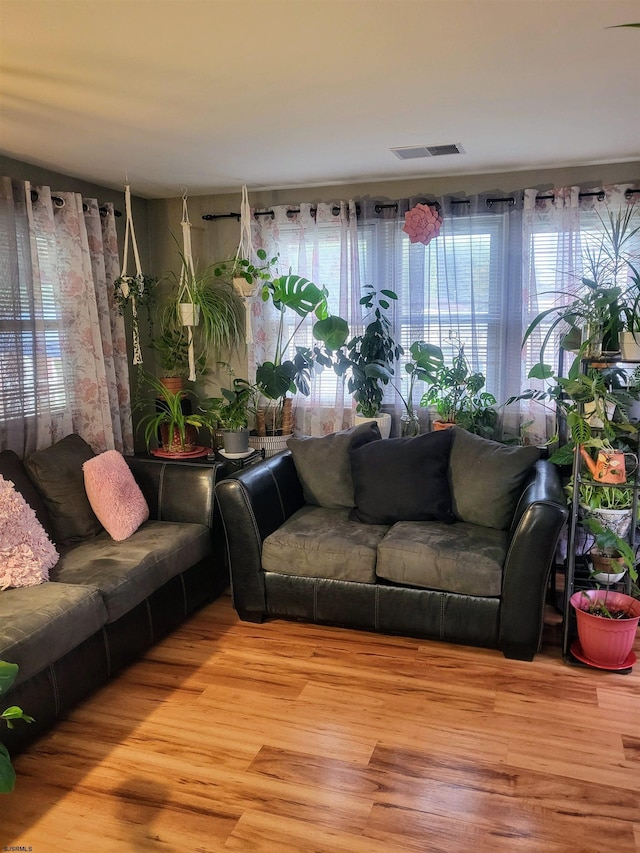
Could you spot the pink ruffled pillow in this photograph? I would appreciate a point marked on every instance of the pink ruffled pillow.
(26, 552)
(114, 495)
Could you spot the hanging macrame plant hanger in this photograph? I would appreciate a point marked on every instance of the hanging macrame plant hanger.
(130, 285)
(245, 290)
(189, 312)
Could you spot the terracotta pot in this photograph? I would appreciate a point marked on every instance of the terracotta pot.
(442, 425)
(606, 642)
(172, 383)
(171, 443)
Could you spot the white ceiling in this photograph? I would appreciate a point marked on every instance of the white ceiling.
(211, 94)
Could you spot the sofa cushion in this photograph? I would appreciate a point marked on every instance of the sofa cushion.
(462, 558)
(403, 479)
(57, 474)
(12, 468)
(40, 624)
(127, 572)
(26, 552)
(114, 495)
(486, 478)
(323, 464)
(322, 543)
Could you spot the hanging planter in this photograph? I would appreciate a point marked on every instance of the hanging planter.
(189, 313)
(133, 290)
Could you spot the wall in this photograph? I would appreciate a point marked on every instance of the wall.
(214, 241)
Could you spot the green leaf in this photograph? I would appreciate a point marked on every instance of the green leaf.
(7, 773)
(8, 672)
(261, 254)
(332, 331)
(541, 371)
(390, 294)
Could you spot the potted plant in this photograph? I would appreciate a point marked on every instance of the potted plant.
(209, 308)
(607, 619)
(592, 316)
(8, 672)
(230, 413)
(292, 294)
(456, 391)
(177, 428)
(427, 359)
(595, 412)
(369, 360)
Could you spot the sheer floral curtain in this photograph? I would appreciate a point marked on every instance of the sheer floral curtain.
(318, 242)
(457, 284)
(63, 364)
(558, 226)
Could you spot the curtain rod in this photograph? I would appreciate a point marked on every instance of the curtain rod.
(59, 202)
(510, 200)
(210, 217)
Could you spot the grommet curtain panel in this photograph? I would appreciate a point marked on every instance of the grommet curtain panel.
(63, 356)
(482, 279)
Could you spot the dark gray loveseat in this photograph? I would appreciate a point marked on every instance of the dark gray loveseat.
(464, 582)
(106, 601)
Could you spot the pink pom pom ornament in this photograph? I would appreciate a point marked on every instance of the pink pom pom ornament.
(422, 223)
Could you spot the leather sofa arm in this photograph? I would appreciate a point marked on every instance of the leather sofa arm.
(176, 491)
(540, 516)
(253, 502)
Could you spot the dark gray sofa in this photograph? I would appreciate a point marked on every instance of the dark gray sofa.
(462, 582)
(107, 602)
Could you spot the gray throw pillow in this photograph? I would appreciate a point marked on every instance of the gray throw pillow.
(323, 464)
(403, 479)
(486, 478)
(57, 474)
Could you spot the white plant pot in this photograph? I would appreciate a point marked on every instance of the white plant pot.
(617, 520)
(383, 420)
(271, 444)
(630, 347)
(592, 419)
(189, 314)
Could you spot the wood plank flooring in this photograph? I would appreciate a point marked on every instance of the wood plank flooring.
(295, 738)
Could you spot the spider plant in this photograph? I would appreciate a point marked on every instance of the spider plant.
(170, 413)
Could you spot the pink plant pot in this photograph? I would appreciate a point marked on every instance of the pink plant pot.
(606, 642)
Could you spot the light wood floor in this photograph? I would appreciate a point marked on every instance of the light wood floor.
(289, 737)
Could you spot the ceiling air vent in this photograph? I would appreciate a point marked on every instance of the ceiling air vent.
(414, 152)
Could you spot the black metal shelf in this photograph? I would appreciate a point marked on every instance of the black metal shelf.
(576, 573)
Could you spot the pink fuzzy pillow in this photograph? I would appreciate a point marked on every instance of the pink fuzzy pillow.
(114, 495)
(26, 552)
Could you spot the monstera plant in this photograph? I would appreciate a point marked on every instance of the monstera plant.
(285, 374)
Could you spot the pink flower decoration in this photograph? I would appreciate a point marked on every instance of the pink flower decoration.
(422, 223)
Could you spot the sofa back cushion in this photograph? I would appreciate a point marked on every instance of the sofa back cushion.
(486, 478)
(57, 474)
(403, 479)
(323, 464)
(12, 468)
